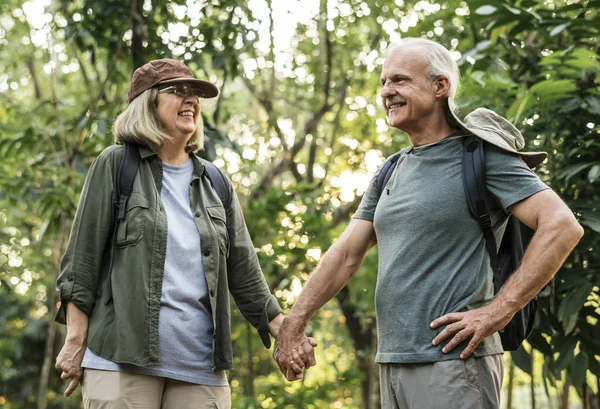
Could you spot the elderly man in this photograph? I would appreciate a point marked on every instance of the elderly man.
(438, 317)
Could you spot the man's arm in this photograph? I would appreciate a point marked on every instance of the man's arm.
(71, 355)
(556, 234)
(338, 265)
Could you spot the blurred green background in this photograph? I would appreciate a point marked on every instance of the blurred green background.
(300, 130)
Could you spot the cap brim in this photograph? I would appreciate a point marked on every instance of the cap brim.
(532, 159)
(209, 90)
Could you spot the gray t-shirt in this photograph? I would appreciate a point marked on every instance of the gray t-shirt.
(185, 324)
(432, 254)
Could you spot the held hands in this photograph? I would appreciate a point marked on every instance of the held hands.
(475, 325)
(293, 352)
(69, 361)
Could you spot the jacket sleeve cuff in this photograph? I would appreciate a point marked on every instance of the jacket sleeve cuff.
(69, 292)
(270, 311)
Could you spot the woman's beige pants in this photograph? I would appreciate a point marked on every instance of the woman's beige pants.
(122, 390)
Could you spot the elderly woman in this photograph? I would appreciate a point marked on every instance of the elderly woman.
(147, 307)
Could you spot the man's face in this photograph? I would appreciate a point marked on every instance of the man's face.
(407, 95)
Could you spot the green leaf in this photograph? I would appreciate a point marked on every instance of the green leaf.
(520, 106)
(592, 223)
(486, 10)
(552, 88)
(578, 368)
(513, 10)
(537, 341)
(559, 29)
(566, 352)
(594, 173)
(522, 359)
(550, 60)
(568, 322)
(594, 366)
(592, 104)
(582, 63)
(572, 171)
(575, 300)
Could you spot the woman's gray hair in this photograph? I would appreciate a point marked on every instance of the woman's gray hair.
(139, 124)
(440, 62)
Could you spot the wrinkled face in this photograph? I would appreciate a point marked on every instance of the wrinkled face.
(407, 95)
(178, 111)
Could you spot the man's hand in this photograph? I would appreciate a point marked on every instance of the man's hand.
(293, 351)
(69, 361)
(475, 325)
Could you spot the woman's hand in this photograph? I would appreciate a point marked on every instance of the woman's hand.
(71, 355)
(69, 361)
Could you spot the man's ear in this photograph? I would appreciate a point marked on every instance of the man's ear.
(442, 85)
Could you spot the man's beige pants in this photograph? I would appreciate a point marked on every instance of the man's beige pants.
(122, 390)
(473, 383)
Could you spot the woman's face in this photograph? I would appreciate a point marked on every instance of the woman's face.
(178, 110)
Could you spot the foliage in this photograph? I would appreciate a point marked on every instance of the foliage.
(299, 130)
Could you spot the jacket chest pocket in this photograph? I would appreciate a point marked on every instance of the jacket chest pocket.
(131, 227)
(217, 218)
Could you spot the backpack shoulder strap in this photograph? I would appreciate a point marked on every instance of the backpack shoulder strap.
(218, 181)
(130, 162)
(476, 192)
(388, 168)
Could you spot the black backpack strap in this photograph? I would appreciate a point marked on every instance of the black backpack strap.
(218, 181)
(388, 168)
(128, 168)
(476, 192)
(130, 162)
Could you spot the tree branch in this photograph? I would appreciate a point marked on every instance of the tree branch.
(137, 23)
(34, 78)
(342, 213)
(217, 113)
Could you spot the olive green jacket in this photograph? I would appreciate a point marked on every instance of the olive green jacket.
(123, 305)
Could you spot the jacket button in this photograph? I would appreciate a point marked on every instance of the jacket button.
(212, 293)
(197, 213)
(70, 278)
(206, 253)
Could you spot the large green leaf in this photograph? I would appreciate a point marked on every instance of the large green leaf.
(486, 10)
(559, 29)
(591, 219)
(553, 89)
(522, 359)
(566, 352)
(578, 369)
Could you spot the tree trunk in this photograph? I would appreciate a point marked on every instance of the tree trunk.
(362, 339)
(366, 367)
(137, 31)
(586, 396)
(249, 384)
(53, 300)
(510, 386)
(565, 394)
(532, 379)
(598, 393)
(49, 351)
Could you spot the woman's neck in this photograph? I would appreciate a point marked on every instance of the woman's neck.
(173, 154)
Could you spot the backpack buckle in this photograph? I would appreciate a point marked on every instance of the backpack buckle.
(485, 221)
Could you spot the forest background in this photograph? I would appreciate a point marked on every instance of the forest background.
(299, 129)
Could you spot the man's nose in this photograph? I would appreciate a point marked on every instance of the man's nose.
(386, 91)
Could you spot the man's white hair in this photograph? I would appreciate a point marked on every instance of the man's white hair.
(440, 62)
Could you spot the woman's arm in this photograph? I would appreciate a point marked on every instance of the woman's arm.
(70, 356)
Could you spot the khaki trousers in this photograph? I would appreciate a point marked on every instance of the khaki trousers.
(473, 383)
(123, 390)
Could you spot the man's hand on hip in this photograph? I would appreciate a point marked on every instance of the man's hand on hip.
(474, 325)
